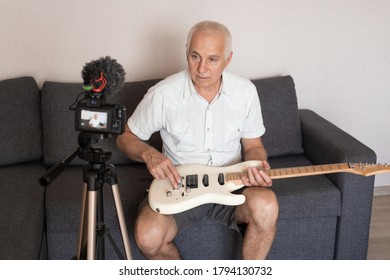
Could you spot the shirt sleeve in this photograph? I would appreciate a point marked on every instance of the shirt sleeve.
(147, 117)
(254, 126)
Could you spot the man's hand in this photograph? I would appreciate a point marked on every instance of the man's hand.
(257, 177)
(162, 167)
(158, 165)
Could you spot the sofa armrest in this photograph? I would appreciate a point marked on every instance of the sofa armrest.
(320, 135)
(323, 142)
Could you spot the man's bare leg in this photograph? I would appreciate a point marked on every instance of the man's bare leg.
(260, 212)
(154, 234)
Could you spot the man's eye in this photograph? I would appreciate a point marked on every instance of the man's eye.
(195, 57)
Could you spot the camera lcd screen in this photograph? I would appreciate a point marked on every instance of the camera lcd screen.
(94, 120)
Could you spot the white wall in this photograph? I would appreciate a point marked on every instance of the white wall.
(338, 51)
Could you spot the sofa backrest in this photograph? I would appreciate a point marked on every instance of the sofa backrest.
(20, 125)
(280, 115)
(60, 138)
(277, 96)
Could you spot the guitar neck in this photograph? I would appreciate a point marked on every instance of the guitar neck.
(282, 173)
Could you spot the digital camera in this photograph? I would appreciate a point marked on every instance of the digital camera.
(92, 116)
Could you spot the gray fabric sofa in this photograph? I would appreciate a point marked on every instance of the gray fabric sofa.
(321, 217)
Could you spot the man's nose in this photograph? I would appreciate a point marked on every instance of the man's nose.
(202, 66)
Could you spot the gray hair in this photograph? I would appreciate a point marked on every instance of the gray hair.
(213, 27)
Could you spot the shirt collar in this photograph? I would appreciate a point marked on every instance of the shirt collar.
(190, 88)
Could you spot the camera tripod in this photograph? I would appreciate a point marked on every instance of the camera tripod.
(91, 242)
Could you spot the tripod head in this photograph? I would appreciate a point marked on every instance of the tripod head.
(92, 155)
(95, 156)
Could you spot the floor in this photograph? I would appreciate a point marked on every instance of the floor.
(379, 242)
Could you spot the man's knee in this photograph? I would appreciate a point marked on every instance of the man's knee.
(147, 236)
(269, 202)
(263, 205)
(152, 232)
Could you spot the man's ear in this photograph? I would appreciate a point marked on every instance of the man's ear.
(187, 50)
(228, 59)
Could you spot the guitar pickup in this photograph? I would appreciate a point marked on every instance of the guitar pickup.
(221, 179)
(192, 181)
(205, 180)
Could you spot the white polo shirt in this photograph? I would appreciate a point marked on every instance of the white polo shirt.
(194, 131)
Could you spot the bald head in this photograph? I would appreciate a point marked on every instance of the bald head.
(212, 28)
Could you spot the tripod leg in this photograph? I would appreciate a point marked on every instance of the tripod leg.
(121, 219)
(100, 226)
(92, 214)
(82, 243)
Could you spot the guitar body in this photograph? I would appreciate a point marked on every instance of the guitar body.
(200, 185)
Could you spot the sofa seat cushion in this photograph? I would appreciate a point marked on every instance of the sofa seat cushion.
(309, 208)
(213, 241)
(305, 197)
(20, 125)
(305, 239)
(22, 212)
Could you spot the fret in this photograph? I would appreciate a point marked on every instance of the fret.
(334, 167)
(325, 167)
(309, 169)
(317, 168)
(344, 166)
(234, 176)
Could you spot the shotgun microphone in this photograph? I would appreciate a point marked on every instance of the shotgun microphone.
(103, 77)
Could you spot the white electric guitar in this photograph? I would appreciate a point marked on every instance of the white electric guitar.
(204, 184)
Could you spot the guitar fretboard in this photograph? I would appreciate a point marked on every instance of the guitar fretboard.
(281, 173)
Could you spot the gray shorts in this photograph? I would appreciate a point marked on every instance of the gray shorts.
(222, 214)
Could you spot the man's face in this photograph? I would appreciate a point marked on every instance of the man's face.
(206, 60)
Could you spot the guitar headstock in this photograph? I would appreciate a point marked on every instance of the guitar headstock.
(369, 169)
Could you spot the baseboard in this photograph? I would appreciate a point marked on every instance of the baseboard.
(382, 190)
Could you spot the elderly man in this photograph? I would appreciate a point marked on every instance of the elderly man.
(209, 116)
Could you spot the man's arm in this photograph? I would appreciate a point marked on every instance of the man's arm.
(253, 149)
(158, 165)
